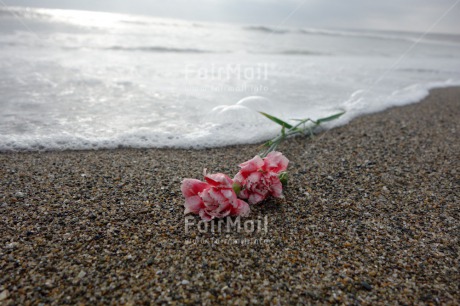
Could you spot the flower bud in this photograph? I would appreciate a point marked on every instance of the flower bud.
(237, 188)
(283, 178)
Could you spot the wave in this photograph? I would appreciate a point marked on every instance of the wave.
(153, 49)
(161, 49)
(344, 33)
(20, 12)
(397, 36)
(159, 23)
(54, 15)
(11, 44)
(301, 52)
(137, 22)
(354, 34)
(403, 36)
(428, 71)
(158, 49)
(266, 29)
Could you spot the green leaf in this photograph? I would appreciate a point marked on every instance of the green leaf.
(330, 118)
(277, 120)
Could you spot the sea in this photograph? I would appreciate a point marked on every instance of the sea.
(74, 80)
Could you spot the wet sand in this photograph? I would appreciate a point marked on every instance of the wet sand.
(371, 216)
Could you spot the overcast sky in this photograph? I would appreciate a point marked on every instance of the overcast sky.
(408, 15)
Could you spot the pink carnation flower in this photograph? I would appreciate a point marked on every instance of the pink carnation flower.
(214, 198)
(259, 178)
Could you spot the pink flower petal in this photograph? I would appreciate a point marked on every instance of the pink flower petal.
(255, 198)
(229, 194)
(222, 212)
(191, 187)
(254, 177)
(217, 196)
(219, 180)
(239, 178)
(193, 205)
(242, 209)
(205, 216)
(251, 165)
(277, 189)
(244, 194)
(275, 162)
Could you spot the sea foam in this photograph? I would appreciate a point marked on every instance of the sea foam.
(88, 80)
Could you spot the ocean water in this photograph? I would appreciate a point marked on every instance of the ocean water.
(87, 80)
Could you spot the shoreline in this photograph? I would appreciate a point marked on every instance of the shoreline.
(94, 146)
(370, 216)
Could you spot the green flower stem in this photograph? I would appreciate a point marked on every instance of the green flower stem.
(293, 130)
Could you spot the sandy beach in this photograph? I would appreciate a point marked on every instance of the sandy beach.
(371, 216)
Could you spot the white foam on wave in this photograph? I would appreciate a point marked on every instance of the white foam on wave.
(224, 125)
(66, 89)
